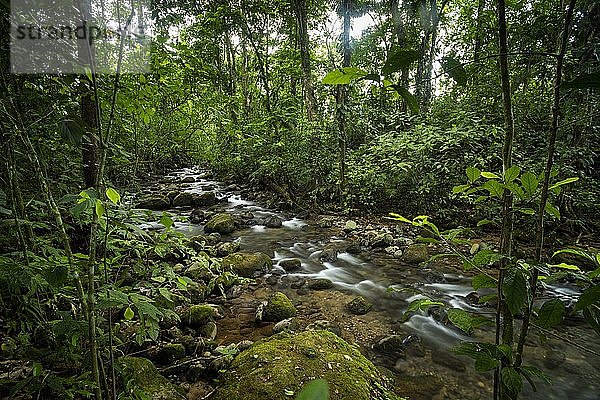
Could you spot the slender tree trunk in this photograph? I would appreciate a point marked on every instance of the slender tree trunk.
(342, 99)
(478, 30)
(504, 321)
(552, 133)
(300, 9)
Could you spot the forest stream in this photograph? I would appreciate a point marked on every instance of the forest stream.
(424, 367)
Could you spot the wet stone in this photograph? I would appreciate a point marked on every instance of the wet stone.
(320, 284)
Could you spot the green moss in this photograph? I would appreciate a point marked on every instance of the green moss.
(278, 308)
(247, 264)
(416, 253)
(171, 352)
(139, 375)
(197, 315)
(359, 305)
(221, 223)
(287, 362)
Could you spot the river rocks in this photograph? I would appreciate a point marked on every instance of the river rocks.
(155, 203)
(188, 179)
(199, 271)
(209, 330)
(170, 353)
(290, 264)
(326, 222)
(416, 253)
(140, 376)
(196, 216)
(198, 315)
(205, 199)
(183, 199)
(431, 275)
(350, 226)
(325, 325)
(404, 344)
(320, 284)
(287, 325)
(382, 240)
(273, 222)
(359, 306)
(329, 254)
(287, 362)
(448, 360)
(224, 249)
(278, 308)
(221, 223)
(247, 264)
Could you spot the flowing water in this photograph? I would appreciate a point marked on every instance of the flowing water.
(575, 373)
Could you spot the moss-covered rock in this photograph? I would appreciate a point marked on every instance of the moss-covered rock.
(170, 352)
(416, 253)
(139, 375)
(198, 315)
(290, 264)
(278, 308)
(359, 306)
(221, 223)
(205, 199)
(320, 284)
(286, 362)
(156, 203)
(247, 264)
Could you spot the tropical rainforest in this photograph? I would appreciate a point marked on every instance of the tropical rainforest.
(300, 199)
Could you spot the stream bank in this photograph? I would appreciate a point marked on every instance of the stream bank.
(324, 263)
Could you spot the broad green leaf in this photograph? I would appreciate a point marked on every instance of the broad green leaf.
(515, 189)
(409, 98)
(113, 195)
(71, 132)
(166, 221)
(489, 175)
(473, 174)
(576, 252)
(565, 266)
(485, 222)
(529, 182)
(528, 211)
(343, 76)
(455, 69)
(99, 209)
(552, 210)
(422, 304)
(512, 381)
(495, 188)
(483, 281)
(165, 293)
(399, 59)
(584, 81)
(511, 174)
(588, 297)
(563, 182)
(315, 390)
(461, 319)
(515, 290)
(485, 257)
(592, 316)
(460, 188)
(129, 314)
(398, 217)
(551, 313)
(485, 362)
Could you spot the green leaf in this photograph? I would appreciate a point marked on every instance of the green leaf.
(399, 59)
(576, 252)
(592, 316)
(484, 257)
(529, 182)
(565, 266)
(461, 319)
(166, 221)
(423, 304)
(584, 81)
(588, 297)
(455, 69)
(563, 182)
(489, 175)
(511, 174)
(551, 313)
(165, 293)
(129, 314)
(483, 281)
(411, 101)
(113, 195)
(512, 381)
(343, 76)
(515, 290)
(460, 188)
(527, 211)
(71, 132)
(317, 389)
(398, 217)
(552, 210)
(495, 188)
(473, 174)
(99, 209)
(515, 189)
(485, 362)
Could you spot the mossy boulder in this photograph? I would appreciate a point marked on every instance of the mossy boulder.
(286, 362)
(221, 223)
(290, 264)
(416, 253)
(320, 284)
(198, 315)
(359, 306)
(205, 199)
(138, 375)
(247, 264)
(170, 352)
(278, 308)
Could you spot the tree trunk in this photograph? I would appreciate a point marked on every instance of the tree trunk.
(478, 29)
(504, 320)
(301, 12)
(342, 99)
